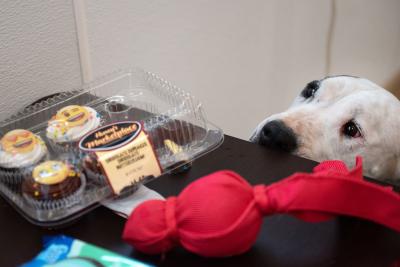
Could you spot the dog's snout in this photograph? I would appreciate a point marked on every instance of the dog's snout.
(275, 134)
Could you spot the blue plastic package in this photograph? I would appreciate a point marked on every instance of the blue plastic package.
(64, 251)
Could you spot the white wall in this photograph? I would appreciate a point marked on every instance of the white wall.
(367, 39)
(243, 59)
(38, 51)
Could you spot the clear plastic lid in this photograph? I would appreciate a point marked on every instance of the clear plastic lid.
(98, 142)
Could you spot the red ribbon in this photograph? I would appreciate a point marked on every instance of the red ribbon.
(221, 214)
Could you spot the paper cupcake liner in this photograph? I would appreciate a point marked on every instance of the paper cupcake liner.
(96, 177)
(65, 202)
(15, 176)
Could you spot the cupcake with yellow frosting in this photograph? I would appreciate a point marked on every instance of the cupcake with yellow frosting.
(52, 184)
(69, 125)
(20, 149)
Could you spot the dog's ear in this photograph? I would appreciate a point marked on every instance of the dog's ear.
(310, 89)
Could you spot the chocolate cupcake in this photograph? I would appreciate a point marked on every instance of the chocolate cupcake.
(93, 170)
(69, 125)
(52, 182)
(19, 149)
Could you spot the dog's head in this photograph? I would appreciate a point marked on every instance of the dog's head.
(338, 118)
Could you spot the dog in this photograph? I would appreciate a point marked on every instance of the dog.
(340, 117)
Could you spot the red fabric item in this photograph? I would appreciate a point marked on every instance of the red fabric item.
(221, 214)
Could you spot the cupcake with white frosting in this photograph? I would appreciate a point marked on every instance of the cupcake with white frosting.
(20, 149)
(69, 125)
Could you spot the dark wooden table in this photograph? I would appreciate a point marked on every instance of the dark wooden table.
(283, 240)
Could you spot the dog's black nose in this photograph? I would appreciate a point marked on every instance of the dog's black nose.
(275, 134)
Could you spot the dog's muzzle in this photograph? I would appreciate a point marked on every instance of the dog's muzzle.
(275, 134)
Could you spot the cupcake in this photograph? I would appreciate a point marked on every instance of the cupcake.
(94, 172)
(93, 169)
(69, 125)
(19, 149)
(53, 184)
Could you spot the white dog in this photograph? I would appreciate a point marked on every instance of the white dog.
(340, 117)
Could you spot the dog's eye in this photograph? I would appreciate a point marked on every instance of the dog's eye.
(310, 89)
(351, 129)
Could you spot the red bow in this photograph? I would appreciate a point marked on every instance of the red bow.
(221, 214)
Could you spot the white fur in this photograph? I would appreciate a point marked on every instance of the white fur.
(317, 123)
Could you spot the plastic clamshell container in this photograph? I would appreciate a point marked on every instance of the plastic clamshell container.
(164, 111)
